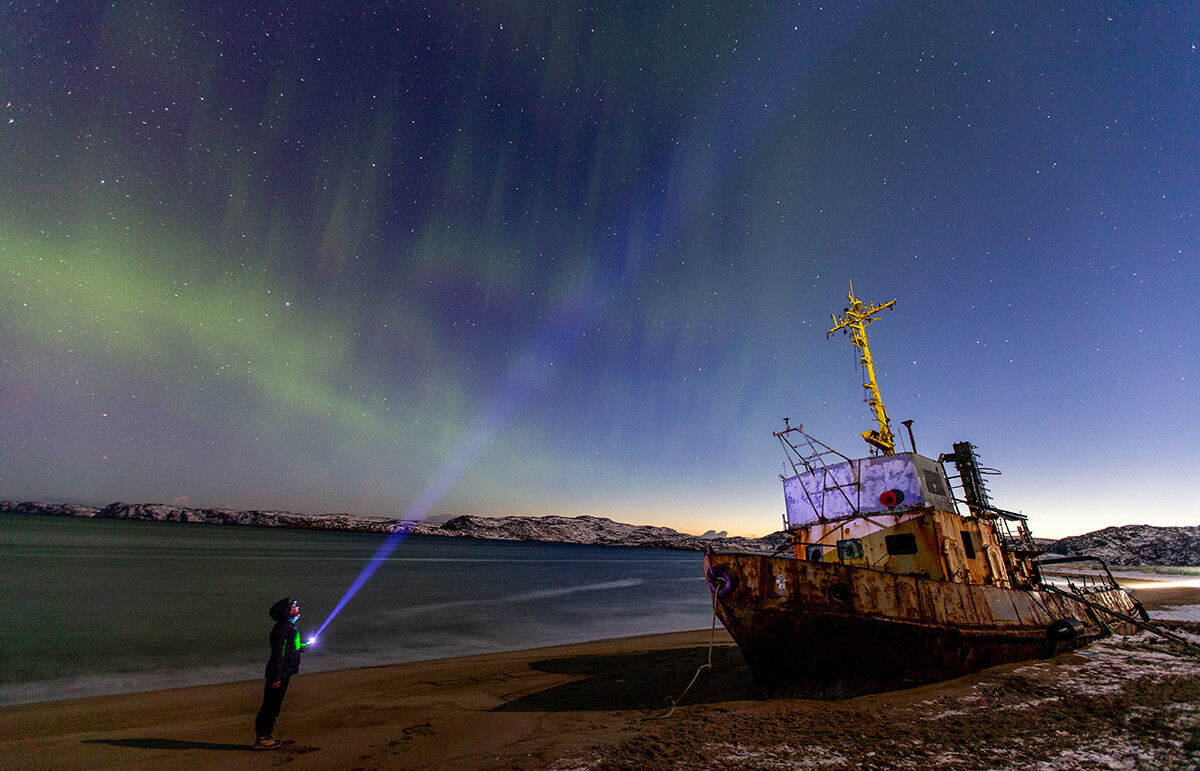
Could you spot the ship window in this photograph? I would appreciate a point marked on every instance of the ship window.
(968, 544)
(850, 549)
(933, 482)
(904, 543)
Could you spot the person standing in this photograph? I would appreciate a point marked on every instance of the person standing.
(283, 663)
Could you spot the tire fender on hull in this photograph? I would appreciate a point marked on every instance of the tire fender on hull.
(721, 581)
(1066, 630)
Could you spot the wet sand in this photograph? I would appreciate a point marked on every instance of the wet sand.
(1122, 703)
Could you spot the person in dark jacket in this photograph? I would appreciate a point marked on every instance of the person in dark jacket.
(283, 663)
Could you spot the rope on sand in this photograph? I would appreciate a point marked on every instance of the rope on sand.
(675, 701)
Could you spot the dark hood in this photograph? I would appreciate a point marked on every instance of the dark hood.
(280, 611)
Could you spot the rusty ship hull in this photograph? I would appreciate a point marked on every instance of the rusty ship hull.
(831, 631)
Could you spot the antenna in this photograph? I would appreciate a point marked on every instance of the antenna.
(855, 320)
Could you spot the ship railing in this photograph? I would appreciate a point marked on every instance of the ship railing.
(1019, 541)
(812, 460)
(1083, 583)
(1011, 527)
(969, 480)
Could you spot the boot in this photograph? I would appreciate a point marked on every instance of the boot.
(267, 742)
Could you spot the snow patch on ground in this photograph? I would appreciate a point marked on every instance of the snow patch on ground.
(1123, 703)
(782, 757)
(1177, 613)
(1125, 756)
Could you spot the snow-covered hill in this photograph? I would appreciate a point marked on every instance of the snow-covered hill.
(1135, 545)
(1128, 545)
(586, 530)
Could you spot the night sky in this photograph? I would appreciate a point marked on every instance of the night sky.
(558, 258)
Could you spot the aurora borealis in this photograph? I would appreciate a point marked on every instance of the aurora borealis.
(580, 259)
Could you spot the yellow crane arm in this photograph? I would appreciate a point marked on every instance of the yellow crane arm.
(854, 320)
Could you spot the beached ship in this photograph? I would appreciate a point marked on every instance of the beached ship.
(900, 571)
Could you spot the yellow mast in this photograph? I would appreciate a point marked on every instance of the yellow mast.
(855, 319)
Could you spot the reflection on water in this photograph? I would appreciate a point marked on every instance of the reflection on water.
(103, 606)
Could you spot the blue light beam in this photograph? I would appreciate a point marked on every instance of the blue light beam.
(668, 199)
(525, 375)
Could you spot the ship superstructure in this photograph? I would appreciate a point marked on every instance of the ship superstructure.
(900, 571)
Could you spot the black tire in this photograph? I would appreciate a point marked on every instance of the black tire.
(1066, 630)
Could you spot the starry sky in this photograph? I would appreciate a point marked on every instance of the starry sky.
(545, 257)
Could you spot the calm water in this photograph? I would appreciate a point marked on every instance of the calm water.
(89, 607)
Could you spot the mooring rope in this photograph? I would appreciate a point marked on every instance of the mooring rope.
(712, 639)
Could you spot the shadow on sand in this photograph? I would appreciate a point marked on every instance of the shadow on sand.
(167, 744)
(639, 681)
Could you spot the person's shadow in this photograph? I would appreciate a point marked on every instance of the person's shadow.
(166, 744)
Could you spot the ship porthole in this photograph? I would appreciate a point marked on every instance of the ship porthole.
(721, 581)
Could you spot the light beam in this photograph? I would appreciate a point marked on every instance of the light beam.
(670, 196)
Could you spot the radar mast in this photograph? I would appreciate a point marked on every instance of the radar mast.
(855, 319)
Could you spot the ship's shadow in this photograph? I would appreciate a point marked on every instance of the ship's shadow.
(646, 680)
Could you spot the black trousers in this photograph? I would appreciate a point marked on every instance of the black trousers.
(268, 713)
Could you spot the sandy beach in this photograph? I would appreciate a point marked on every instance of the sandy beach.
(1122, 703)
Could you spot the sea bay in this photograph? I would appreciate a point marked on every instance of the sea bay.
(92, 607)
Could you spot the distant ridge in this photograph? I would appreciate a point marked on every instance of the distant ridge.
(1127, 545)
(1135, 545)
(552, 529)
